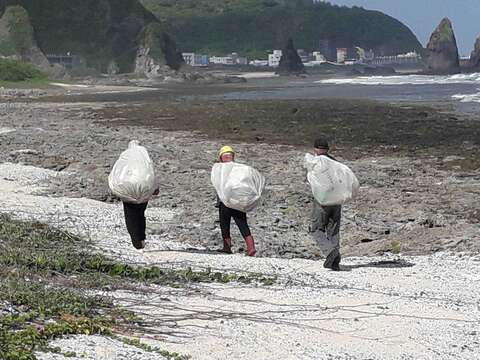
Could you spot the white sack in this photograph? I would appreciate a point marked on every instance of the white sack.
(238, 186)
(332, 183)
(133, 176)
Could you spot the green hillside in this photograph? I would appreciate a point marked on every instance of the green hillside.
(254, 27)
(98, 30)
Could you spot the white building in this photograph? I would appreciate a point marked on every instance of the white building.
(341, 55)
(232, 59)
(274, 59)
(259, 63)
(408, 58)
(193, 59)
(318, 57)
(221, 60)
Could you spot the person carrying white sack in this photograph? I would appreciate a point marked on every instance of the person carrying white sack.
(133, 180)
(333, 184)
(239, 188)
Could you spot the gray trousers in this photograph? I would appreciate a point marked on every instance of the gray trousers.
(325, 227)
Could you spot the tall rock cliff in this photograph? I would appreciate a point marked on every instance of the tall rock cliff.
(17, 38)
(290, 62)
(442, 50)
(102, 32)
(475, 56)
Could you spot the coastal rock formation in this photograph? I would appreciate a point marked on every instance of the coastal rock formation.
(475, 56)
(17, 38)
(442, 51)
(155, 45)
(100, 32)
(290, 62)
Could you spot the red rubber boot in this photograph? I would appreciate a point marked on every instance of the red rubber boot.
(250, 246)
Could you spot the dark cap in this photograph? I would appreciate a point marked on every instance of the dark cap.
(321, 143)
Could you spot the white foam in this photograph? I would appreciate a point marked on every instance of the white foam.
(6, 130)
(257, 75)
(467, 98)
(473, 78)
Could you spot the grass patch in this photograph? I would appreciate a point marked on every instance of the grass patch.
(12, 71)
(41, 300)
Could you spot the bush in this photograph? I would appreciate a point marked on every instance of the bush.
(15, 71)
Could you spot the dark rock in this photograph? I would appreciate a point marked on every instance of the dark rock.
(157, 54)
(173, 58)
(290, 62)
(373, 71)
(475, 56)
(442, 50)
(234, 80)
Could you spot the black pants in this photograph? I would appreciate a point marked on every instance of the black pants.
(135, 221)
(240, 218)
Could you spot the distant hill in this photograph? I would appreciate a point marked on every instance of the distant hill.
(101, 31)
(254, 27)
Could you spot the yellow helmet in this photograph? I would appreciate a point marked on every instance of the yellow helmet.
(224, 150)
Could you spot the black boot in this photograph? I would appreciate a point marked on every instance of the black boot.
(336, 263)
(333, 260)
(227, 246)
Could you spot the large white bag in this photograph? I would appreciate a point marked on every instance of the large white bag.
(332, 183)
(133, 176)
(238, 186)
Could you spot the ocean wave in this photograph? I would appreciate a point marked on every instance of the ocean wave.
(473, 78)
(467, 98)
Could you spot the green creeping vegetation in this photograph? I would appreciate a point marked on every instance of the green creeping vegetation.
(39, 248)
(17, 71)
(47, 313)
(254, 27)
(148, 348)
(46, 301)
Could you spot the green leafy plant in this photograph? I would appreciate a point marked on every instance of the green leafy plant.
(15, 71)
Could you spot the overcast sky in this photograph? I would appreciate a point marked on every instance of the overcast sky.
(422, 16)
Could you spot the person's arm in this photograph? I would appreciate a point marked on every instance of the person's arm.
(329, 156)
(157, 186)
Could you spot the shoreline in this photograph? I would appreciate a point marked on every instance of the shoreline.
(410, 159)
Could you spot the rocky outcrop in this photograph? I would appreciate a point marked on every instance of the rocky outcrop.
(157, 55)
(290, 62)
(373, 71)
(442, 50)
(17, 38)
(475, 56)
(101, 32)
